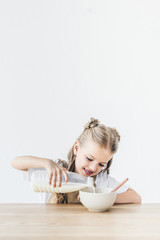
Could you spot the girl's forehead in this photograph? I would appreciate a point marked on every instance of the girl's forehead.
(96, 150)
(90, 145)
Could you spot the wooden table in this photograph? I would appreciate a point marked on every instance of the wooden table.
(73, 221)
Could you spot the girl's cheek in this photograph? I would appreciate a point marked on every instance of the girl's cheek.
(86, 161)
(99, 169)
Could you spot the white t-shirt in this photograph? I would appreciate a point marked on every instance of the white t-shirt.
(102, 180)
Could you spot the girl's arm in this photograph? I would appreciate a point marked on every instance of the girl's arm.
(130, 196)
(55, 172)
(25, 162)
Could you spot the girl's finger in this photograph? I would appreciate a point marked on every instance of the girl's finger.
(50, 178)
(54, 179)
(78, 197)
(59, 177)
(65, 169)
(65, 174)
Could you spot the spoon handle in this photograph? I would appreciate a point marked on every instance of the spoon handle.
(116, 188)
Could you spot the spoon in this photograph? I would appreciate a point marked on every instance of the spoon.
(116, 188)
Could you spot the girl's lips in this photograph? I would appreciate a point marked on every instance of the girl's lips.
(87, 172)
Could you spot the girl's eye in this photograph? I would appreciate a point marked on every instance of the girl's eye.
(101, 165)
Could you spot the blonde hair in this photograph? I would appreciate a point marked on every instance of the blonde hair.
(100, 134)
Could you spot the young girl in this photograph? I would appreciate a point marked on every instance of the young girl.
(91, 155)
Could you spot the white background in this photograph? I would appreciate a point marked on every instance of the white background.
(62, 62)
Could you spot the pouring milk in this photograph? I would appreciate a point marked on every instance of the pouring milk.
(40, 182)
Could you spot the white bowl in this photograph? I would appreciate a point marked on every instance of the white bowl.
(99, 201)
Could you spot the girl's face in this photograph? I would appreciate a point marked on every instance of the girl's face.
(91, 158)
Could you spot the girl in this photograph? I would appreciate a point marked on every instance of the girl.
(91, 155)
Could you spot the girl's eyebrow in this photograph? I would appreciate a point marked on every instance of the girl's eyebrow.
(91, 156)
(94, 158)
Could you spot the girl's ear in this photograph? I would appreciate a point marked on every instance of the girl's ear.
(76, 147)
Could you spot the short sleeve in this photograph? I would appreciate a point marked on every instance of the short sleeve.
(105, 180)
(28, 174)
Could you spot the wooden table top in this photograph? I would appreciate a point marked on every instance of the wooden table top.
(74, 221)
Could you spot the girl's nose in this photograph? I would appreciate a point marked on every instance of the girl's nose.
(93, 167)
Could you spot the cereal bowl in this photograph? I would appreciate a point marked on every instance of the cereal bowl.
(99, 201)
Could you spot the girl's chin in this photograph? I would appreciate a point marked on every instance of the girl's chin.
(82, 173)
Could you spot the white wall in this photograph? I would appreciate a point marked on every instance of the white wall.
(62, 62)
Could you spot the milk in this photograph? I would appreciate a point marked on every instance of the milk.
(65, 188)
(40, 182)
(94, 190)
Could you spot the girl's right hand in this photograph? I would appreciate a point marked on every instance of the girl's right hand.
(55, 173)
